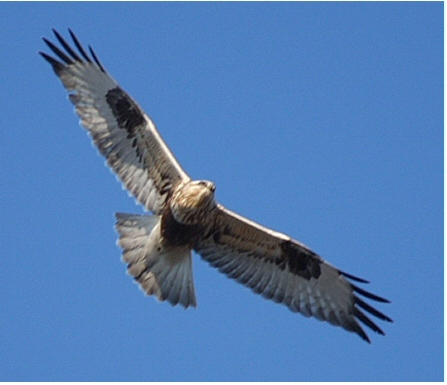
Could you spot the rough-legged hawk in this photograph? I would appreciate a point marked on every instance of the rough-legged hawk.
(157, 249)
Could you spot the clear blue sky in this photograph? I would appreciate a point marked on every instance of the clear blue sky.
(320, 120)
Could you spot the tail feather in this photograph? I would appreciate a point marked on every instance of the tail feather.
(160, 271)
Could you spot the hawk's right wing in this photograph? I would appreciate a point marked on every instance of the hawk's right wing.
(120, 129)
(286, 271)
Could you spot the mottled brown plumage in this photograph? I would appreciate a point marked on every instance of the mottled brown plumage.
(157, 249)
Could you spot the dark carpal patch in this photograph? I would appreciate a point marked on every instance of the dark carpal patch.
(126, 112)
(300, 262)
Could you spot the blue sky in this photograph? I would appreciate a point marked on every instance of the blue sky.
(320, 120)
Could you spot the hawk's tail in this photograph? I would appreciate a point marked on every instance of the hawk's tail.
(160, 271)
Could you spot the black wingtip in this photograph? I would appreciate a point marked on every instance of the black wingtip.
(357, 329)
(353, 277)
(79, 46)
(56, 65)
(58, 52)
(48, 58)
(359, 303)
(68, 55)
(365, 320)
(364, 336)
(369, 295)
(66, 46)
(95, 58)
(371, 310)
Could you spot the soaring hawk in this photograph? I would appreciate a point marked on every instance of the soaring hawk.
(157, 249)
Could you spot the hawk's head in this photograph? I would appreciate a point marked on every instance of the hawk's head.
(192, 201)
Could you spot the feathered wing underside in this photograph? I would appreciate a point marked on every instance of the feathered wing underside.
(163, 272)
(287, 272)
(120, 129)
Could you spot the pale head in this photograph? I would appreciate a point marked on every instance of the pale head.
(192, 201)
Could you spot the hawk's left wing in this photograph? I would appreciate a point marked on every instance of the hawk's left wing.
(120, 129)
(286, 271)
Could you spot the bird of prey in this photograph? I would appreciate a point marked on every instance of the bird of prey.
(158, 248)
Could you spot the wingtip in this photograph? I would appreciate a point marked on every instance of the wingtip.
(369, 295)
(360, 332)
(56, 65)
(354, 278)
(56, 33)
(95, 58)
